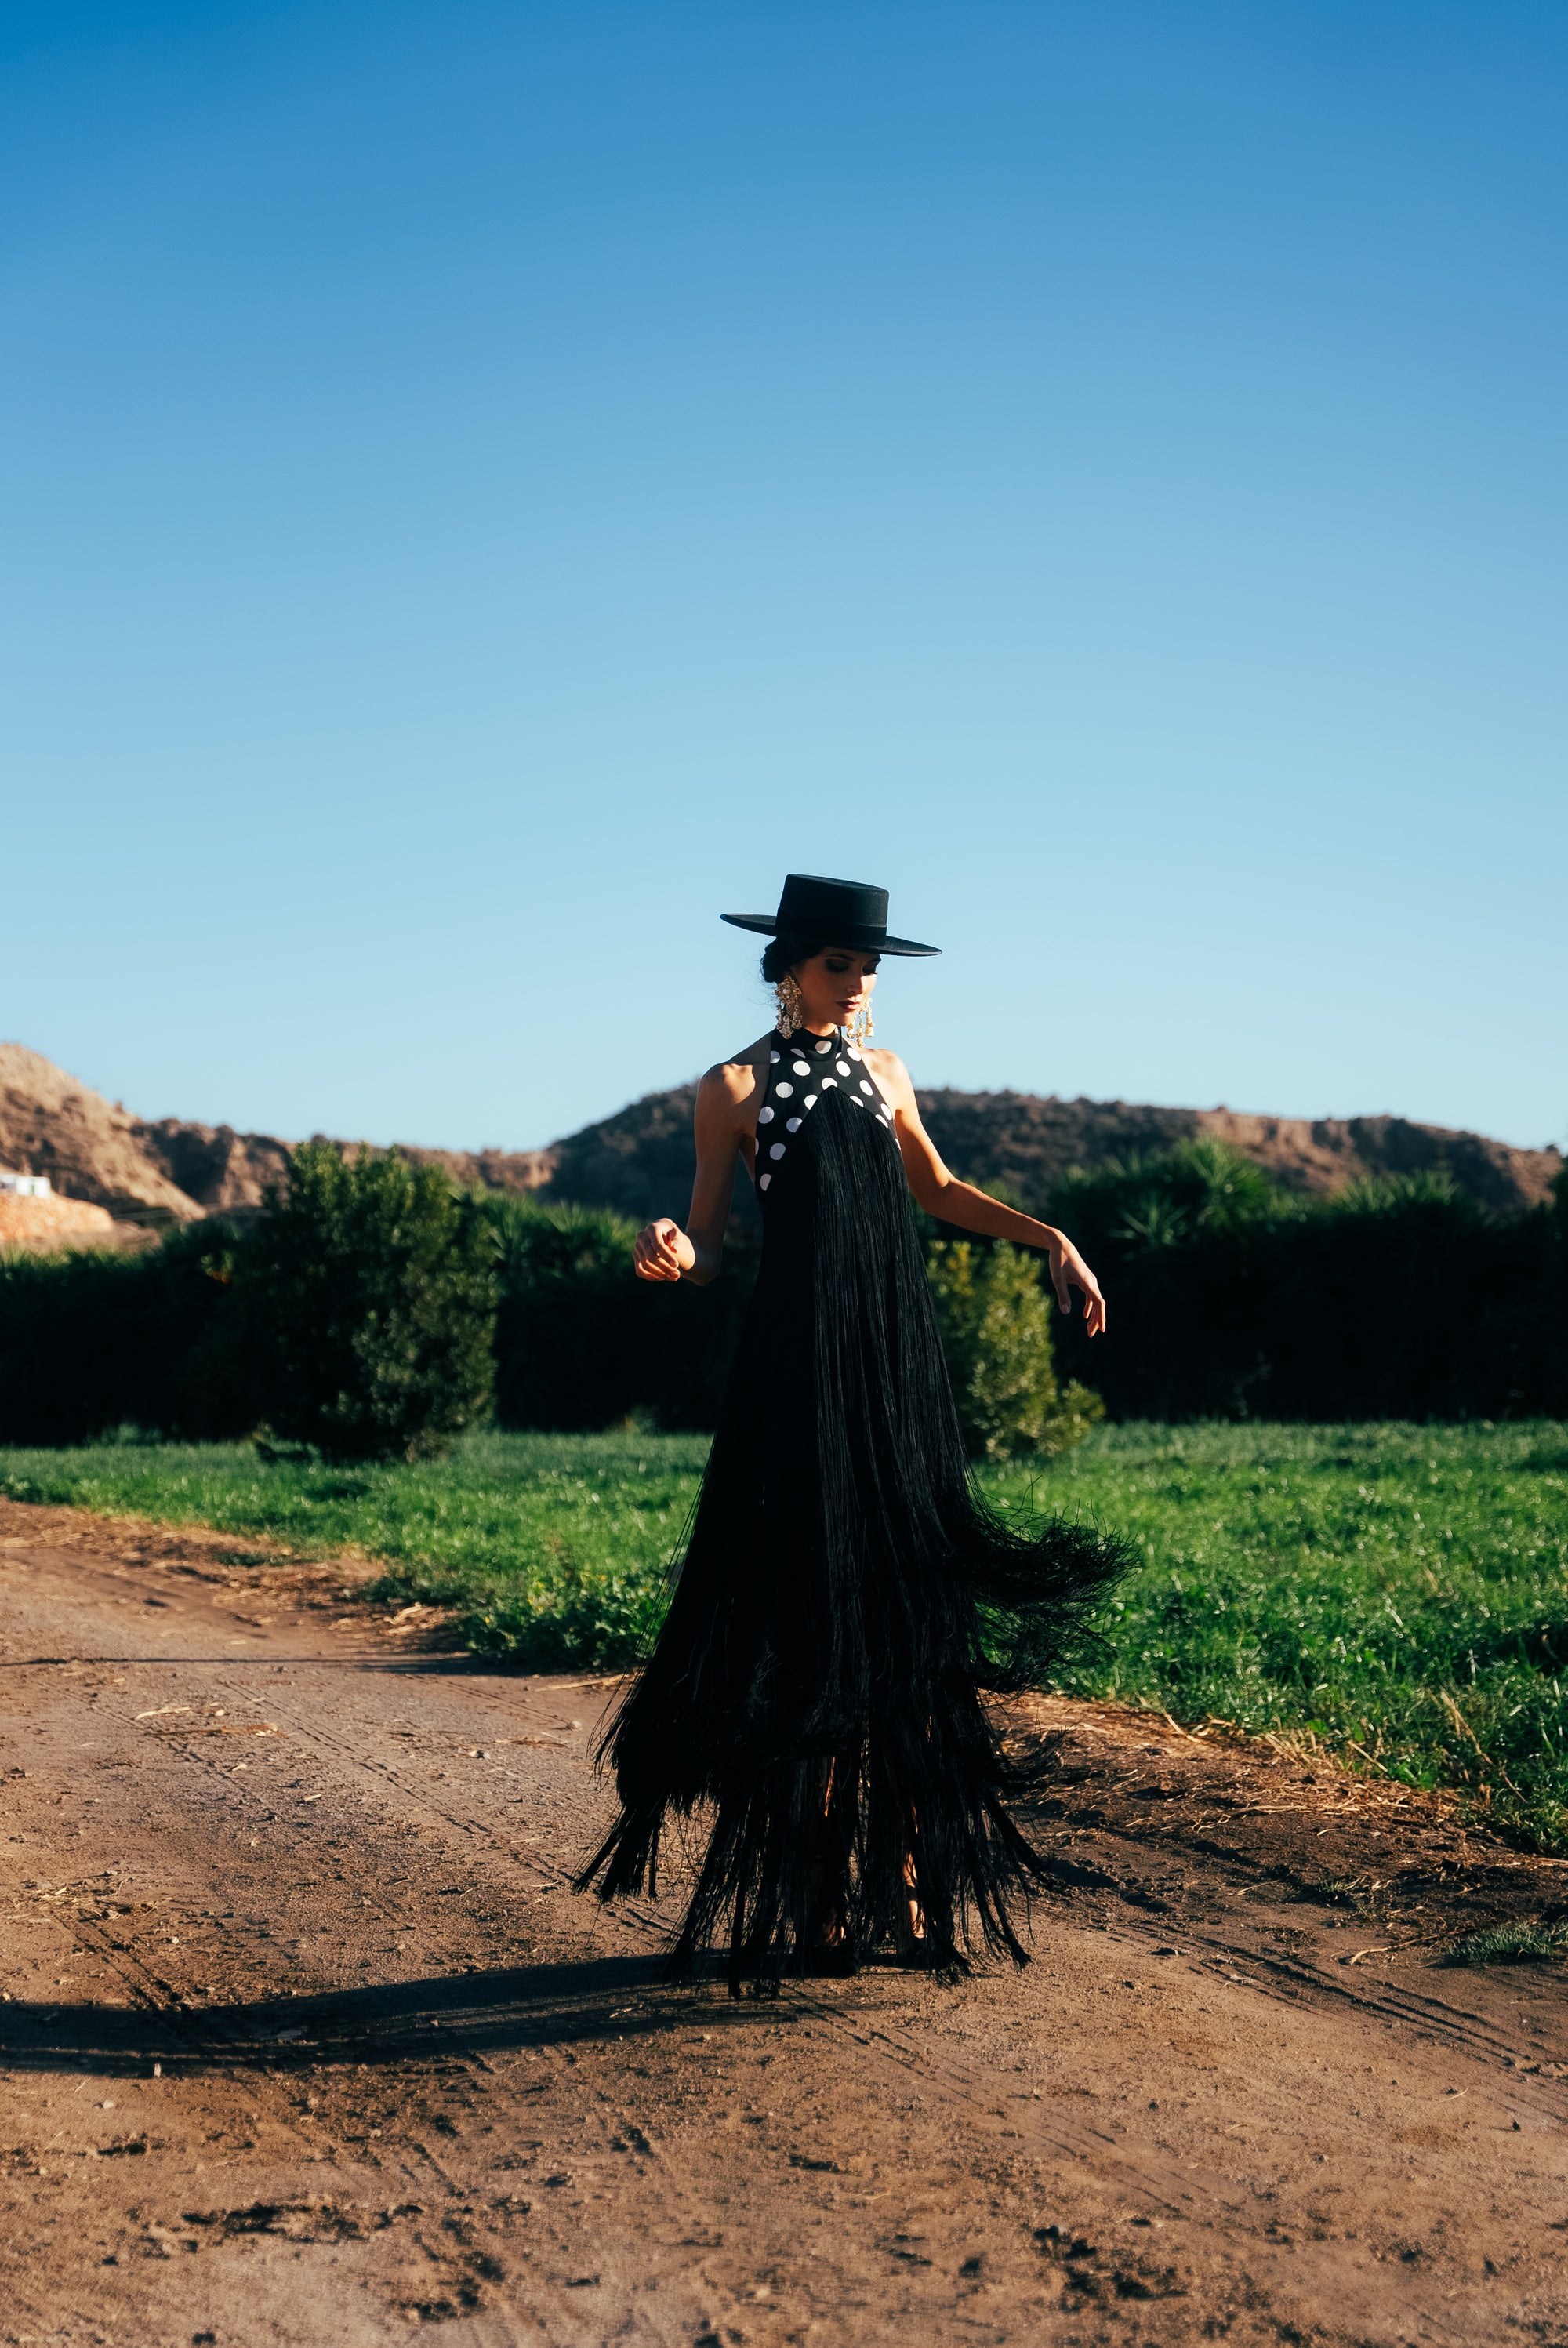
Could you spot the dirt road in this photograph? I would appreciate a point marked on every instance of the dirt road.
(305, 2042)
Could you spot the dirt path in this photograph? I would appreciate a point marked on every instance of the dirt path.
(304, 2041)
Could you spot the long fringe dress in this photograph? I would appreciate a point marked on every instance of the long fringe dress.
(814, 1698)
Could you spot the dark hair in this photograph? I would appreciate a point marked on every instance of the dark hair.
(781, 955)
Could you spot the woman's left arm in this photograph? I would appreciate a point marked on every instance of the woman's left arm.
(951, 1201)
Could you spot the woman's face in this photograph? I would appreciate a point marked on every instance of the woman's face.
(834, 985)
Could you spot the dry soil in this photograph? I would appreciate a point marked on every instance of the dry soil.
(305, 2040)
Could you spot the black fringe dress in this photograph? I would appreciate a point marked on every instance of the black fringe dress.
(815, 1695)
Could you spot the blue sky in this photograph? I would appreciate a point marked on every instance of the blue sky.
(487, 488)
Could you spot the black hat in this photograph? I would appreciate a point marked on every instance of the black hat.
(840, 912)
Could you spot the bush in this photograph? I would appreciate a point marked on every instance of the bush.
(1398, 1299)
(65, 1324)
(581, 1343)
(994, 1320)
(358, 1315)
(369, 1293)
(568, 1334)
(92, 1341)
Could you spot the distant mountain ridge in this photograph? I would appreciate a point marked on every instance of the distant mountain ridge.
(640, 1160)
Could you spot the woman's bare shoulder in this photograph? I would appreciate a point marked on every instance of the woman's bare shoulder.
(737, 1078)
(889, 1071)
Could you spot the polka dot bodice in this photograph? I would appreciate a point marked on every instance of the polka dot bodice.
(801, 1073)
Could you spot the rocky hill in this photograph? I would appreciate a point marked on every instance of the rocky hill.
(1028, 1141)
(89, 1148)
(640, 1159)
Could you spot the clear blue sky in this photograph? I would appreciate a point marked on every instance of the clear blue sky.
(489, 486)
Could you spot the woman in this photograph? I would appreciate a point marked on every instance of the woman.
(844, 1597)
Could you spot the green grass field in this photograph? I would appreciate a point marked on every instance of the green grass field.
(1397, 1595)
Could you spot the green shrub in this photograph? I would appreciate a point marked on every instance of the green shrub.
(368, 1290)
(94, 1340)
(65, 1345)
(568, 1349)
(582, 1344)
(995, 1320)
(1403, 1298)
(576, 1618)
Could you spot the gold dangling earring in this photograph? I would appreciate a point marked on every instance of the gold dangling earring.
(862, 1027)
(790, 1003)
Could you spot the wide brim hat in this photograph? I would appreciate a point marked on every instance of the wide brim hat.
(839, 912)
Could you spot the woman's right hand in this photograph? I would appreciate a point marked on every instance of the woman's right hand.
(662, 1252)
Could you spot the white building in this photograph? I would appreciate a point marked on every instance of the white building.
(25, 1186)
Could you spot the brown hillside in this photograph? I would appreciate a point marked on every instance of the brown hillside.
(1031, 1142)
(45, 1226)
(1322, 1153)
(214, 1164)
(89, 1147)
(490, 1170)
(640, 1160)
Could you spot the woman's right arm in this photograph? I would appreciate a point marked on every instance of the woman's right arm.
(665, 1251)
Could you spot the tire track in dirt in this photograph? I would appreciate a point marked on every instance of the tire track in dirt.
(573, 2150)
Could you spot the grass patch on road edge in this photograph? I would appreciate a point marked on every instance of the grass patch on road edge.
(553, 1548)
(1509, 1944)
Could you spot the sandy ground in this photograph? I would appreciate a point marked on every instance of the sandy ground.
(306, 2042)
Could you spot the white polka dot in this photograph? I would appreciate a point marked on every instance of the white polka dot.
(842, 1066)
(829, 1084)
(765, 1180)
(887, 1112)
(854, 1054)
(801, 1069)
(773, 1058)
(783, 1091)
(811, 1100)
(777, 1150)
(865, 1085)
(794, 1125)
(854, 1104)
(825, 1044)
(765, 1117)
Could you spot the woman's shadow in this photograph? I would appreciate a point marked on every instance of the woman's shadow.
(519, 2007)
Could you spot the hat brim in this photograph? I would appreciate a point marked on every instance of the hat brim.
(850, 933)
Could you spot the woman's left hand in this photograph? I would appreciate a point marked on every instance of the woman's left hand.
(1067, 1271)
